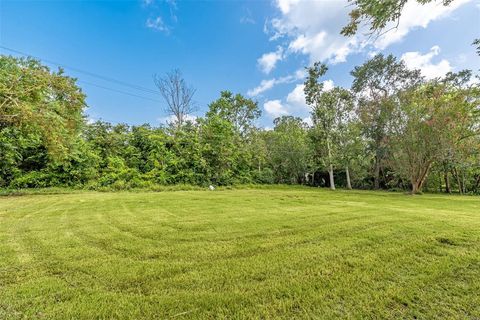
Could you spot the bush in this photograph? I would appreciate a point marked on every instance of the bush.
(264, 176)
(34, 179)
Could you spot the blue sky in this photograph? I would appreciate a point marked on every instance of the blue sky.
(257, 48)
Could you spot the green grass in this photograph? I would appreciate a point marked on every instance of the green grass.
(261, 253)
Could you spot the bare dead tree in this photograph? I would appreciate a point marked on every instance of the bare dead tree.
(177, 94)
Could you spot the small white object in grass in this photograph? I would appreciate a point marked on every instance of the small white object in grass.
(211, 188)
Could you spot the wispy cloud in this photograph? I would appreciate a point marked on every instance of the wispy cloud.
(247, 17)
(268, 84)
(268, 61)
(164, 22)
(262, 87)
(172, 4)
(157, 24)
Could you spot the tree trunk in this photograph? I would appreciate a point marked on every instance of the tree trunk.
(440, 183)
(330, 169)
(457, 177)
(332, 181)
(349, 184)
(447, 182)
(477, 183)
(417, 182)
(415, 188)
(377, 173)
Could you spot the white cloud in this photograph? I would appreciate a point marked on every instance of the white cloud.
(415, 15)
(312, 28)
(157, 24)
(268, 61)
(270, 83)
(172, 119)
(274, 108)
(305, 44)
(328, 85)
(416, 60)
(296, 98)
(262, 87)
(285, 5)
(308, 120)
(295, 102)
(300, 74)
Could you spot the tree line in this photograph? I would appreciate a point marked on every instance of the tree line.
(393, 129)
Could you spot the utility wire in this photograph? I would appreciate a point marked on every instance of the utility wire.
(105, 78)
(119, 91)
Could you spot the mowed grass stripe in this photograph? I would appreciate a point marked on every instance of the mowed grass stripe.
(268, 253)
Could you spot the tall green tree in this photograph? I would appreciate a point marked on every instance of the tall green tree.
(240, 111)
(330, 114)
(219, 149)
(324, 112)
(376, 84)
(351, 147)
(431, 119)
(288, 149)
(37, 100)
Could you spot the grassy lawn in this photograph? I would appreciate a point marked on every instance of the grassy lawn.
(262, 253)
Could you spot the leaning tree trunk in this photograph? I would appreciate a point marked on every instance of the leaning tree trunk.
(417, 182)
(349, 184)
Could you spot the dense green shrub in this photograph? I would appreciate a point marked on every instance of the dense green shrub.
(34, 179)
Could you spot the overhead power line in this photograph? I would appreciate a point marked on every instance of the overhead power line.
(92, 74)
(119, 91)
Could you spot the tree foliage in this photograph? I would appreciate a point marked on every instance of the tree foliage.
(378, 14)
(376, 83)
(35, 100)
(236, 109)
(431, 119)
(392, 129)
